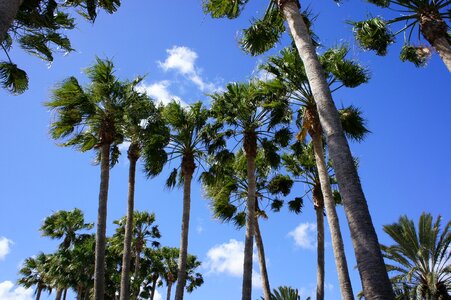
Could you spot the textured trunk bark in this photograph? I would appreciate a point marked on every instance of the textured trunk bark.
(334, 226)
(373, 274)
(262, 261)
(126, 257)
(154, 286)
(168, 297)
(38, 293)
(317, 199)
(99, 275)
(435, 31)
(250, 149)
(136, 272)
(8, 11)
(181, 276)
(59, 294)
(79, 292)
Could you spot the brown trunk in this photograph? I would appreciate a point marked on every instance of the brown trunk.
(8, 11)
(373, 274)
(59, 294)
(154, 286)
(334, 226)
(188, 167)
(79, 292)
(99, 275)
(319, 207)
(435, 31)
(262, 261)
(133, 156)
(250, 148)
(168, 297)
(38, 293)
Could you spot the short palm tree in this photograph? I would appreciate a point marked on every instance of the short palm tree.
(420, 258)
(226, 185)
(89, 118)
(256, 117)
(431, 19)
(147, 134)
(289, 72)
(189, 141)
(34, 273)
(263, 34)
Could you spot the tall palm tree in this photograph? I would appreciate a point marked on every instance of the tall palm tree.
(189, 140)
(254, 115)
(289, 72)
(89, 118)
(430, 17)
(285, 293)
(226, 185)
(147, 134)
(420, 258)
(263, 35)
(34, 273)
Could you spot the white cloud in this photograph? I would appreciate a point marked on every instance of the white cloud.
(160, 92)
(183, 60)
(9, 292)
(227, 258)
(5, 247)
(304, 235)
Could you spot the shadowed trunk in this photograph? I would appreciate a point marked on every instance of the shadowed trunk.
(126, 257)
(435, 31)
(188, 167)
(319, 207)
(38, 293)
(99, 274)
(262, 261)
(334, 226)
(65, 294)
(154, 286)
(8, 11)
(59, 294)
(168, 297)
(373, 274)
(250, 148)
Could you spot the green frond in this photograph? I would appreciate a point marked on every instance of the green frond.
(172, 179)
(263, 34)
(280, 184)
(418, 55)
(12, 78)
(223, 8)
(296, 205)
(276, 205)
(381, 3)
(354, 125)
(373, 34)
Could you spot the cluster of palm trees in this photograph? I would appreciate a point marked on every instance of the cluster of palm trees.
(71, 266)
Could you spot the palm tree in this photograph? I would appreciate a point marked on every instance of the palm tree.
(189, 140)
(428, 16)
(254, 115)
(289, 72)
(263, 35)
(285, 293)
(147, 134)
(226, 185)
(143, 232)
(89, 118)
(34, 273)
(420, 258)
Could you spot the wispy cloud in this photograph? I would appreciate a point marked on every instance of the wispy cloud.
(160, 92)
(304, 235)
(227, 258)
(5, 247)
(9, 292)
(183, 61)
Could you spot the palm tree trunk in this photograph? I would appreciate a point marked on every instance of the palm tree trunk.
(59, 294)
(262, 261)
(317, 199)
(38, 293)
(125, 275)
(168, 297)
(8, 11)
(334, 226)
(181, 276)
(435, 31)
(99, 275)
(250, 146)
(64, 294)
(373, 274)
(154, 286)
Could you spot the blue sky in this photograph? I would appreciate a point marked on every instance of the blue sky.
(404, 162)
